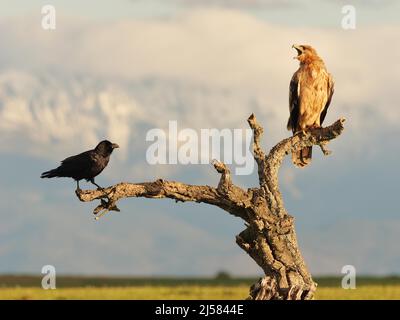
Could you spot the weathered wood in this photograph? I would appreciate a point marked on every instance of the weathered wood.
(270, 237)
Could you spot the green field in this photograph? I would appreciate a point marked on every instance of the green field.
(186, 292)
(20, 287)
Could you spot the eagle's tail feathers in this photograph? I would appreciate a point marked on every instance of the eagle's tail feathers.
(289, 124)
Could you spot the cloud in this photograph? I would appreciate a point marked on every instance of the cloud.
(38, 111)
(205, 69)
(209, 68)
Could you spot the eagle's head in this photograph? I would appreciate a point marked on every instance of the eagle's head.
(305, 53)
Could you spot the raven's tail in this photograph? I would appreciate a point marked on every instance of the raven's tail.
(50, 174)
(302, 158)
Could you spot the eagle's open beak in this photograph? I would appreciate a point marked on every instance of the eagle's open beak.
(114, 146)
(298, 49)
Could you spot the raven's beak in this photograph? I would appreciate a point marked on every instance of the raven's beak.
(114, 146)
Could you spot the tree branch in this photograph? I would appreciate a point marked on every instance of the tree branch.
(225, 182)
(258, 152)
(227, 196)
(318, 136)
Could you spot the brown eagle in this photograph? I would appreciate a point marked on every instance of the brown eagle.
(310, 94)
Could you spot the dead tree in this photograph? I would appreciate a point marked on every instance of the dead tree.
(269, 237)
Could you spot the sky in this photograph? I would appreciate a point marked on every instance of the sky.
(117, 69)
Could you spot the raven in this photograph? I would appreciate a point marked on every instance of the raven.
(85, 165)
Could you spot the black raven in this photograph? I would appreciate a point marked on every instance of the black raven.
(85, 165)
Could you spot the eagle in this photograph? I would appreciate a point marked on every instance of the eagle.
(310, 94)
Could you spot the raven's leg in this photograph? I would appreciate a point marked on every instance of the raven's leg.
(77, 186)
(98, 187)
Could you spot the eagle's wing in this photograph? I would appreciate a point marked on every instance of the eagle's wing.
(330, 90)
(294, 101)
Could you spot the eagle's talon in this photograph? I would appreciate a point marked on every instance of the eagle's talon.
(327, 152)
(324, 150)
(100, 214)
(301, 133)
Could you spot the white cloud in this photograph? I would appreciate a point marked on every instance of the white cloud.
(205, 69)
(217, 62)
(46, 112)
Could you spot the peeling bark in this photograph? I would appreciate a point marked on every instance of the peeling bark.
(270, 237)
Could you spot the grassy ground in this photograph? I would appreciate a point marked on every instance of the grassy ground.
(26, 287)
(187, 292)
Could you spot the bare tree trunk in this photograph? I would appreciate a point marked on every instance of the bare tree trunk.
(269, 237)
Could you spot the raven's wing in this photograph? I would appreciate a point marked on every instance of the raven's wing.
(79, 166)
(330, 91)
(294, 102)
